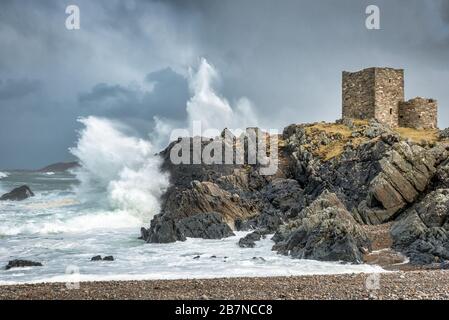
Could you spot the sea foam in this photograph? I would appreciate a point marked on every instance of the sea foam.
(117, 170)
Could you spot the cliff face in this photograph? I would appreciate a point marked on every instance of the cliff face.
(332, 180)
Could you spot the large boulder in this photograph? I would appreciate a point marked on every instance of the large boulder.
(202, 225)
(249, 241)
(422, 232)
(325, 231)
(18, 194)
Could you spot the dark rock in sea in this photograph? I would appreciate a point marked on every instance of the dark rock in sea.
(18, 194)
(143, 234)
(325, 231)
(249, 241)
(259, 258)
(204, 225)
(96, 258)
(196, 257)
(422, 232)
(22, 264)
(108, 258)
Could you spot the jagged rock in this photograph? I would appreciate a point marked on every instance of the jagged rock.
(18, 194)
(96, 258)
(22, 264)
(441, 177)
(326, 231)
(282, 199)
(422, 232)
(405, 172)
(444, 134)
(204, 225)
(143, 234)
(108, 258)
(249, 241)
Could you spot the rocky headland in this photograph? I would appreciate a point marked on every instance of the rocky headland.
(352, 191)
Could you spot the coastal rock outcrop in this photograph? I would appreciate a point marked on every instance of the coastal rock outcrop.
(332, 180)
(422, 233)
(18, 194)
(325, 231)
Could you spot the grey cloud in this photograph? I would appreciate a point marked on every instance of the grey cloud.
(17, 88)
(167, 99)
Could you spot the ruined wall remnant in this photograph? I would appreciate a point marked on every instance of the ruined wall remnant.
(418, 113)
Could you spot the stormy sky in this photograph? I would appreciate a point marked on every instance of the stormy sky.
(130, 61)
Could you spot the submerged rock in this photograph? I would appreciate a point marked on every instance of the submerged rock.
(18, 194)
(249, 241)
(21, 264)
(99, 258)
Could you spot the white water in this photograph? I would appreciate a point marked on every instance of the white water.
(120, 169)
(59, 230)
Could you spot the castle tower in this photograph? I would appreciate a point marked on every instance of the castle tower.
(373, 93)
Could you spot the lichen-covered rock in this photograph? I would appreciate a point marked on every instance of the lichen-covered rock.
(422, 232)
(326, 231)
(444, 134)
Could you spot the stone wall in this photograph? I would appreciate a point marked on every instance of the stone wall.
(418, 113)
(389, 92)
(358, 94)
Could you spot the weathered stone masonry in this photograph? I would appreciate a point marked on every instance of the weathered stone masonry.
(418, 113)
(379, 93)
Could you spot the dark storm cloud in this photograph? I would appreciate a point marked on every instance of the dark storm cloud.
(166, 99)
(130, 58)
(17, 88)
(445, 10)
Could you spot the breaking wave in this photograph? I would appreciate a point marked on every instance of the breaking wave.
(118, 171)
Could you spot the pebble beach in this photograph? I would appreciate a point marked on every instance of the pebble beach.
(397, 285)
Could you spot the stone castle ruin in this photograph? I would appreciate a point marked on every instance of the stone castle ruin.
(378, 93)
